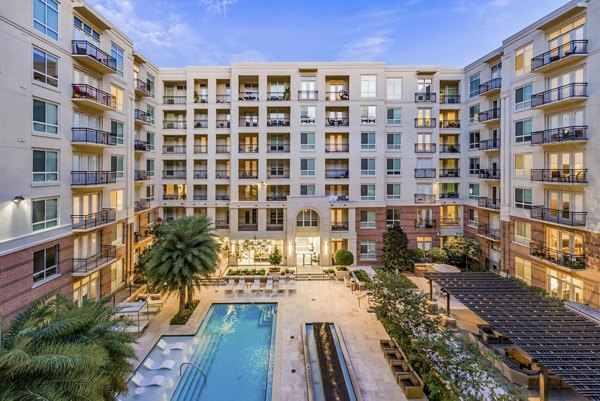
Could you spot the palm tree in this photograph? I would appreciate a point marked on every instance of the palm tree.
(185, 251)
(54, 350)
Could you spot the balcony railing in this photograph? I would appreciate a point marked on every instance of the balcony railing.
(91, 135)
(222, 174)
(425, 173)
(425, 122)
(223, 123)
(449, 148)
(333, 147)
(174, 197)
(447, 221)
(274, 226)
(174, 99)
(490, 144)
(489, 174)
(85, 48)
(278, 173)
(174, 124)
(174, 174)
(449, 172)
(339, 226)
(248, 96)
(143, 234)
(221, 224)
(425, 147)
(107, 254)
(337, 96)
(200, 197)
(141, 86)
(174, 149)
(277, 197)
(248, 148)
(87, 221)
(278, 122)
(223, 149)
(424, 198)
(278, 148)
(247, 174)
(488, 203)
(566, 217)
(558, 135)
(337, 122)
(487, 231)
(200, 149)
(339, 198)
(448, 124)
(201, 123)
(88, 92)
(425, 223)
(558, 53)
(449, 195)
(141, 175)
(337, 173)
(141, 115)
(489, 115)
(492, 84)
(425, 97)
(251, 121)
(564, 259)
(449, 99)
(200, 97)
(573, 90)
(561, 176)
(278, 96)
(93, 177)
(142, 146)
(141, 205)
(247, 227)
(308, 95)
(223, 98)
(200, 174)
(247, 198)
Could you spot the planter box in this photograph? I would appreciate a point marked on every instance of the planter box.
(342, 274)
(412, 386)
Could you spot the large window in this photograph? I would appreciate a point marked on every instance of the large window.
(367, 141)
(523, 198)
(367, 250)
(116, 199)
(424, 243)
(45, 166)
(118, 235)
(523, 58)
(474, 82)
(474, 165)
(394, 141)
(150, 83)
(474, 139)
(523, 131)
(367, 192)
(367, 219)
(45, 117)
(473, 218)
(394, 217)
(307, 167)
(45, 263)
(116, 128)
(368, 114)
(394, 116)
(523, 269)
(118, 54)
(307, 189)
(44, 213)
(116, 275)
(473, 191)
(45, 67)
(308, 114)
(368, 86)
(474, 113)
(393, 166)
(393, 191)
(523, 165)
(45, 17)
(307, 218)
(523, 97)
(367, 166)
(522, 232)
(307, 141)
(116, 165)
(119, 97)
(150, 163)
(394, 88)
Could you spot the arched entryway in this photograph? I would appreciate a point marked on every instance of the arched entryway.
(308, 241)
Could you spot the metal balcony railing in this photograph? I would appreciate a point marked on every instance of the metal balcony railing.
(250, 121)
(87, 221)
(107, 254)
(221, 224)
(487, 231)
(142, 146)
(140, 175)
(274, 226)
(337, 122)
(85, 48)
(558, 135)
(223, 123)
(338, 96)
(141, 205)
(141, 86)
(447, 221)
(449, 172)
(488, 203)
(449, 99)
(223, 98)
(334, 147)
(201, 123)
(425, 97)
(200, 174)
(425, 122)
(337, 173)
(141, 115)
(222, 174)
(278, 148)
(92, 135)
(566, 217)
(449, 195)
(247, 227)
(200, 149)
(174, 196)
(93, 177)
(490, 144)
(278, 96)
(248, 96)
(174, 99)
(425, 173)
(248, 174)
(88, 92)
(223, 149)
(278, 122)
(424, 198)
(308, 95)
(564, 259)
(278, 173)
(562, 176)
(245, 148)
(174, 174)
(489, 174)
(448, 124)
(573, 90)
(174, 149)
(425, 147)
(174, 124)
(488, 115)
(492, 84)
(449, 148)
(277, 197)
(558, 53)
(339, 226)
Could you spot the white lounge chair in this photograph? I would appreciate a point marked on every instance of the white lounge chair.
(269, 286)
(241, 285)
(255, 285)
(281, 286)
(142, 381)
(291, 285)
(162, 344)
(150, 364)
(230, 285)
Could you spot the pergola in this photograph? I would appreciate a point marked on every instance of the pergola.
(561, 342)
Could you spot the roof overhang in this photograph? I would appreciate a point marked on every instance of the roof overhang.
(91, 15)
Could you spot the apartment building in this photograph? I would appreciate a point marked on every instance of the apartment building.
(306, 157)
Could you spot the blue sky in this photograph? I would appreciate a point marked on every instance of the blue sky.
(176, 33)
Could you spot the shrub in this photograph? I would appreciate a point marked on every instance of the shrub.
(438, 255)
(362, 276)
(275, 257)
(183, 318)
(343, 257)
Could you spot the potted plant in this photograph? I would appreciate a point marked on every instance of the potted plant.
(275, 258)
(286, 94)
(196, 97)
(330, 272)
(342, 258)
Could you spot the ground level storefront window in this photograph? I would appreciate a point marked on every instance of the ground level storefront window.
(254, 252)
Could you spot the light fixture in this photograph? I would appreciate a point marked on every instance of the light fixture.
(19, 198)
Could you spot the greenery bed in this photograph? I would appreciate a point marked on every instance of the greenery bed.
(362, 276)
(182, 319)
(246, 272)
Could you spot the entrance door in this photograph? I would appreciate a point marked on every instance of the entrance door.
(307, 251)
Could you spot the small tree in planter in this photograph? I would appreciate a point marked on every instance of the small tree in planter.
(460, 249)
(396, 254)
(275, 259)
(438, 255)
(342, 258)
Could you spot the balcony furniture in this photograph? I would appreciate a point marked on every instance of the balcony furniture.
(558, 135)
(337, 122)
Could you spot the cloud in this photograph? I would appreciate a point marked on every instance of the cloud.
(372, 47)
(217, 6)
(248, 55)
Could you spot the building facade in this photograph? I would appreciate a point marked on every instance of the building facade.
(306, 157)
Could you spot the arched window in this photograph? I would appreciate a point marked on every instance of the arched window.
(307, 218)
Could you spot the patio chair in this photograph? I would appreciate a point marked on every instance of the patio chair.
(255, 285)
(162, 344)
(281, 286)
(269, 286)
(291, 286)
(150, 364)
(230, 285)
(240, 285)
(142, 381)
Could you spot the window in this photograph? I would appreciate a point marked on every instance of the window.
(473, 218)
(394, 116)
(116, 275)
(45, 166)
(523, 58)
(473, 191)
(368, 85)
(523, 198)
(523, 131)
(118, 235)
(367, 192)
(44, 213)
(118, 54)
(367, 166)
(523, 269)
(89, 33)
(474, 165)
(367, 219)
(393, 166)
(474, 113)
(116, 165)
(367, 250)
(367, 141)
(45, 263)
(393, 191)
(150, 194)
(276, 216)
(393, 217)
(474, 82)
(368, 114)
(394, 88)
(394, 141)
(523, 97)
(522, 232)
(307, 141)
(307, 189)
(116, 199)
(45, 17)
(307, 167)
(45, 117)
(474, 139)
(118, 94)
(150, 137)
(150, 167)
(523, 165)
(308, 114)
(424, 243)
(150, 83)
(45, 67)
(307, 218)
(150, 112)
(116, 128)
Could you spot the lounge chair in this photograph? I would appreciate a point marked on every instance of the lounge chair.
(230, 285)
(281, 286)
(162, 344)
(240, 285)
(269, 286)
(291, 285)
(142, 381)
(150, 364)
(255, 285)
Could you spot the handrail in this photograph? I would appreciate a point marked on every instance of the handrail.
(197, 367)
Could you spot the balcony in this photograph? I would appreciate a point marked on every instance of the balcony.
(488, 203)
(92, 136)
(178, 197)
(559, 56)
(174, 99)
(278, 122)
(95, 98)
(222, 174)
(488, 232)
(141, 88)
(449, 124)
(142, 116)
(560, 176)
(337, 173)
(248, 198)
(489, 115)
(489, 174)
(278, 173)
(200, 175)
(449, 99)
(278, 96)
(174, 149)
(174, 174)
(141, 205)
(87, 266)
(425, 173)
(490, 87)
(200, 97)
(449, 148)
(564, 217)
(425, 97)
(251, 121)
(141, 175)
(247, 174)
(278, 148)
(141, 146)
(247, 227)
(276, 197)
(338, 96)
(425, 122)
(92, 57)
(223, 98)
(425, 223)
(252, 148)
(448, 221)
(425, 147)
(248, 96)
(490, 144)
(449, 195)
(574, 133)
(200, 197)
(221, 225)
(223, 124)
(198, 149)
(201, 123)
(449, 173)
(563, 259)
(142, 235)
(424, 198)
(223, 149)
(333, 147)
(93, 178)
(566, 94)
(274, 226)
(308, 95)
(84, 222)
(339, 226)
(337, 122)
(174, 124)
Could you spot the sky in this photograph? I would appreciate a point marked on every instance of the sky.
(451, 33)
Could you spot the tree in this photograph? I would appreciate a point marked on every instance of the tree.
(343, 257)
(56, 350)
(438, 255)
(184, 253)
(275, 257)
(461, 248)
(396, 254)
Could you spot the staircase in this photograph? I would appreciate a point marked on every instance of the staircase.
(312, 276)
(266, 315)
